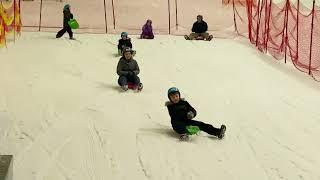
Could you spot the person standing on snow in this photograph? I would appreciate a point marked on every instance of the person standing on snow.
(67, 16)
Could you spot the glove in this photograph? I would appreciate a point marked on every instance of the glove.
(190, 115)
(131, 73)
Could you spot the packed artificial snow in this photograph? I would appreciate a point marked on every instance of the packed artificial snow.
(63, 116)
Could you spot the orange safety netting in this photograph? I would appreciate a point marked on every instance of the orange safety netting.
(285, 30)
(9, 21)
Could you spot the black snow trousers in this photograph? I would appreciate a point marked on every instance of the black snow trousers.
(180, 127)
(64, 30)
(124, 80)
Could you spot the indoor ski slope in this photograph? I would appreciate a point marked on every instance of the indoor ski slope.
(63, 117)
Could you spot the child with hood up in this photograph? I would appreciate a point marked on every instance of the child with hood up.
(128, 70)
(182, 113)
(67, 16)
(147, 30)
(124, 42)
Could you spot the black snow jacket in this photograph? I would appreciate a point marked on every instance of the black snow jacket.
(67, 15)
(178, 112)
(125, 66)
(199, 27)
(124, 43)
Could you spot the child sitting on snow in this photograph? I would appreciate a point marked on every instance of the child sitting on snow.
(128, 70)
(147, 30)
(181, 113)
(199, 30)
(67, 16)
(124, 42)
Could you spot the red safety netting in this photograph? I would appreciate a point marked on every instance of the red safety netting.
(285, 30)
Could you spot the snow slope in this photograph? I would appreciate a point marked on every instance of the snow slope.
(62, 115)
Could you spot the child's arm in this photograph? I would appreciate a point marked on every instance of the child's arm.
(191, 109)
(119, 44)
(120, 72)
(137, 69)
(206, 26)
(130, 44)
(194, 27)
(168, 103)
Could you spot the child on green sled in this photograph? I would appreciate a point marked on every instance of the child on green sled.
(182, 113)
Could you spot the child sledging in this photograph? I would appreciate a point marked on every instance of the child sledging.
(182, 113)
(124, 42)
(128, 70)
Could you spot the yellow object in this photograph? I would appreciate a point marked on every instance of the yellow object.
(10, 20)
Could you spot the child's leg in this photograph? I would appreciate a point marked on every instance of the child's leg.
(123, 80)
(135, 80)
(61, 32)
(151, 36)
(69, 30)
(205, 35)
(193, 36)
(208, 128)
(180, 128)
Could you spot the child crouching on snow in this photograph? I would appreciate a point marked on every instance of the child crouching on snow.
(124, 42)
(128, 70)
(182, 113)
(147, 30)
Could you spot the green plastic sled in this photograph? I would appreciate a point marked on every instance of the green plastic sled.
(193, 130)
(73, 24)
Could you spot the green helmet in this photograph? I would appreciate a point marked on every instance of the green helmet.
(66, 7)
(124, 34)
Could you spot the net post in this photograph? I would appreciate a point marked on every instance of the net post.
(286, 27)
(114, 18)
(311, 40)
(169, 14)
(297, 45)
(40, 15)
(234, 17)
(258, 22)
(105, 16)
(176, 1)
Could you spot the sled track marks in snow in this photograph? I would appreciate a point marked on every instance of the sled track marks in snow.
(143, 168)
(103, 143)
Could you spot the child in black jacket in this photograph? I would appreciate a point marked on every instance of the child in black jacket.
(67, 16)
(181, 113)
(124, 42)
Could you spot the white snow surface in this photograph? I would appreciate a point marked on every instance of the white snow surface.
(63, 117)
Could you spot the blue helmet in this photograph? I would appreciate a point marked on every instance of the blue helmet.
(173, 90)
(124, 34)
